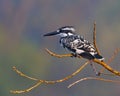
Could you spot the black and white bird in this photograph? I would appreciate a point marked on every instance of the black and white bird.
(77, 44)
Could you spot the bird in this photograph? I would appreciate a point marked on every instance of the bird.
(76, 44)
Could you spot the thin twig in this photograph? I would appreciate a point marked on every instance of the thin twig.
(23, 75)
(58, 55)
(26, 90)
(92, 78)
(94, 38)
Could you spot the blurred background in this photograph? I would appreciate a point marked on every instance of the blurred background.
(22, 25)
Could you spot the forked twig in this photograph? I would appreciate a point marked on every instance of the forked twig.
(111, 59)
(98, 51)
(106, 66)
(44, 81)
(92, 78)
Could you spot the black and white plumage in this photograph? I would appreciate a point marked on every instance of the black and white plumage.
(77, 44)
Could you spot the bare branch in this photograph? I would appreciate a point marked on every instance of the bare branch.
(106, 66)
(45, 81)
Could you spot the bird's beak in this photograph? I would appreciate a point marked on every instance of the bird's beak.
(51, 33)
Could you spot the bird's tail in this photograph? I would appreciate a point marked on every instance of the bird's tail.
(99, 57)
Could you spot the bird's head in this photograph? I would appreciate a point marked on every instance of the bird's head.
(63, 31)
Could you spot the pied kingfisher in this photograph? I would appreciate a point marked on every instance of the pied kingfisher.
(76, 43)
